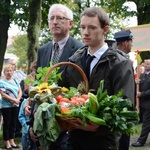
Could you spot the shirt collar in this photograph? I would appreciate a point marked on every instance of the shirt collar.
(100, 51)
(147, 72)
(62, 42)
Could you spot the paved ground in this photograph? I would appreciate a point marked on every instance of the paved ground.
(134, 139)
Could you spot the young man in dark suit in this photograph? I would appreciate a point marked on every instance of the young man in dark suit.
(106, 64)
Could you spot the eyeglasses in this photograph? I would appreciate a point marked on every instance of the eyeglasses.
(13, 64)
(58, 18)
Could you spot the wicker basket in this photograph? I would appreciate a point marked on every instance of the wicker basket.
(67, 123)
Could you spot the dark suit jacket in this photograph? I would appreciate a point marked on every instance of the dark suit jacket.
(145, 91)
(45, 52)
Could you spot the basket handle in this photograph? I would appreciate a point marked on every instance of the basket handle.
(71, 64)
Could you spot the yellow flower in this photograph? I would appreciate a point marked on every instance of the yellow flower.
(42, 88)
(64, 89)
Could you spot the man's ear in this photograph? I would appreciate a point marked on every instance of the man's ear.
(71, 22)
(106, 29)
(126, 43)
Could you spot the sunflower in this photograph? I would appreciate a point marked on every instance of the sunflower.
(43, 88)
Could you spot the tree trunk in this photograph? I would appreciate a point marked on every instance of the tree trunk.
(4, 25)
(33, 30)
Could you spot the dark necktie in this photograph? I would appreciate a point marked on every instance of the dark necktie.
(88, 62)
(145, 74)
(55, 58)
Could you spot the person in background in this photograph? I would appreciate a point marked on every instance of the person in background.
(144, 102)
(27, 143)
(25, 87)
(11, 94)
(124, 44)
(23, 119)
(18, 75)
(141, 71)
(108, 65)
(62, 46)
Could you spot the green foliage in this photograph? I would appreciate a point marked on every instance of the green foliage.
(116, 111)
(20, 45)
(53, 77)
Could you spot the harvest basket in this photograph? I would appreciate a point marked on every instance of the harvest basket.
(66, 123)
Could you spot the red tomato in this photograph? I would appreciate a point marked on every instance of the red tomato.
(58, 98)
(85, 96)
(74, 98)
(80, 100)
(74, 102)
(64, 99)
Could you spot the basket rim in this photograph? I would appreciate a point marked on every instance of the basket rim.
(71, 64)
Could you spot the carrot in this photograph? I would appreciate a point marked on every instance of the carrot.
(64, 110)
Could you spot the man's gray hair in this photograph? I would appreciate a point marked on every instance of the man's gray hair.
(63, 7)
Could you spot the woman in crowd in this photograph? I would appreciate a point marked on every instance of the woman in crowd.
(11, 94)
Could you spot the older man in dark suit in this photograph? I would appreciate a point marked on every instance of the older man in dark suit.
(144, 97)
(62, 46)
(60, 20)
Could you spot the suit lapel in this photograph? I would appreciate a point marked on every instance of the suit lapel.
(48, 53)
(67, 52)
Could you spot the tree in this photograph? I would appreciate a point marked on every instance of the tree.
(19, 48)
(33, 29)
(4, 25)
(143, 12)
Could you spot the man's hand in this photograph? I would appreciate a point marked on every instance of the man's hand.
(27, 110)
(138, 94)
(32, 135)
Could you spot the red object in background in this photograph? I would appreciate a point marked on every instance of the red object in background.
(135, 76)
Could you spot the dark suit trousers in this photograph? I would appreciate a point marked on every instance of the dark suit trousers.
(124, 142)
(145, 127)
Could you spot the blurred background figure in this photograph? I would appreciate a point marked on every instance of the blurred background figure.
(27, 143)
(11, 94)
(124, 44)
(144, 98)
(18, 74)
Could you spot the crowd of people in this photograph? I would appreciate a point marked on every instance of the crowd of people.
(108, 63)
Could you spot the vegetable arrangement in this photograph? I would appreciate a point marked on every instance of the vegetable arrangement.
(111, 111)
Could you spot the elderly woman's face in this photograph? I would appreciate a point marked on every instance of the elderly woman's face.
(8, 72)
